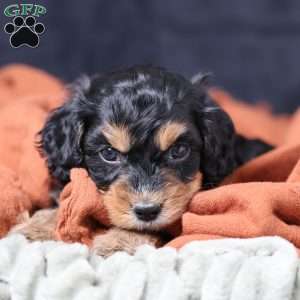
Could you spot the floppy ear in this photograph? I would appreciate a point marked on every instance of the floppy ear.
(218, 137)
(61, 135)
(223, 149)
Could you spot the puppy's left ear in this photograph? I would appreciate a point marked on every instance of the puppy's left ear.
(223, 149)
(217, 157)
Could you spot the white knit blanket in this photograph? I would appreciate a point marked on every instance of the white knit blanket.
(253, 269)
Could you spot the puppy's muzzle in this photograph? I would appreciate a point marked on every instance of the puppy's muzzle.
(146, 211)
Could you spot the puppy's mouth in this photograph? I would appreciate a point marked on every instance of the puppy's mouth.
(149, 210)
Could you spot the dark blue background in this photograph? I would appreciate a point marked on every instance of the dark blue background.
(251, 46)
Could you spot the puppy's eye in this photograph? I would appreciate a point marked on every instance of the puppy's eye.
(110, 155)
(179, 151)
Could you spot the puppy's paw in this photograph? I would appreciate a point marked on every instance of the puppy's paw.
(122, 240)
(40, 227)
(104, 245)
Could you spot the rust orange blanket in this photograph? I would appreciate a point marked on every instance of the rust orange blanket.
(260, 198)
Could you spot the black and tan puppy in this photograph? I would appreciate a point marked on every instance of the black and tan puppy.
(149, 139)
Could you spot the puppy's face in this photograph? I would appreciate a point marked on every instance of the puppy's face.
(145, 137)
(144, 162)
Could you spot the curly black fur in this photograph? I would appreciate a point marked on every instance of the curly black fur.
(143, 98)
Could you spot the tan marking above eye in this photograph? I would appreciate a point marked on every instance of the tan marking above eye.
(168, 133)
(118, 136)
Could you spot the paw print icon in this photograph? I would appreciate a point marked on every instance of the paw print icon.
(24, 31)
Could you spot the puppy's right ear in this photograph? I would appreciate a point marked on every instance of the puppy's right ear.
(62, 133)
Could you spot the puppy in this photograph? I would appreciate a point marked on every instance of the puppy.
(149, 139)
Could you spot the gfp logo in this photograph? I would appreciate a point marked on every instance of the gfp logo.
(24, 30)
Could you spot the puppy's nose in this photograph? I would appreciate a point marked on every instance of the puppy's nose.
(147, 211)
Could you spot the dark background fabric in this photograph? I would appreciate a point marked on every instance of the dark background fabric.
(252, 46)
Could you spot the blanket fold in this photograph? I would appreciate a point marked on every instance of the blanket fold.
(80, 206)
(260, 198)
(26, 97)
